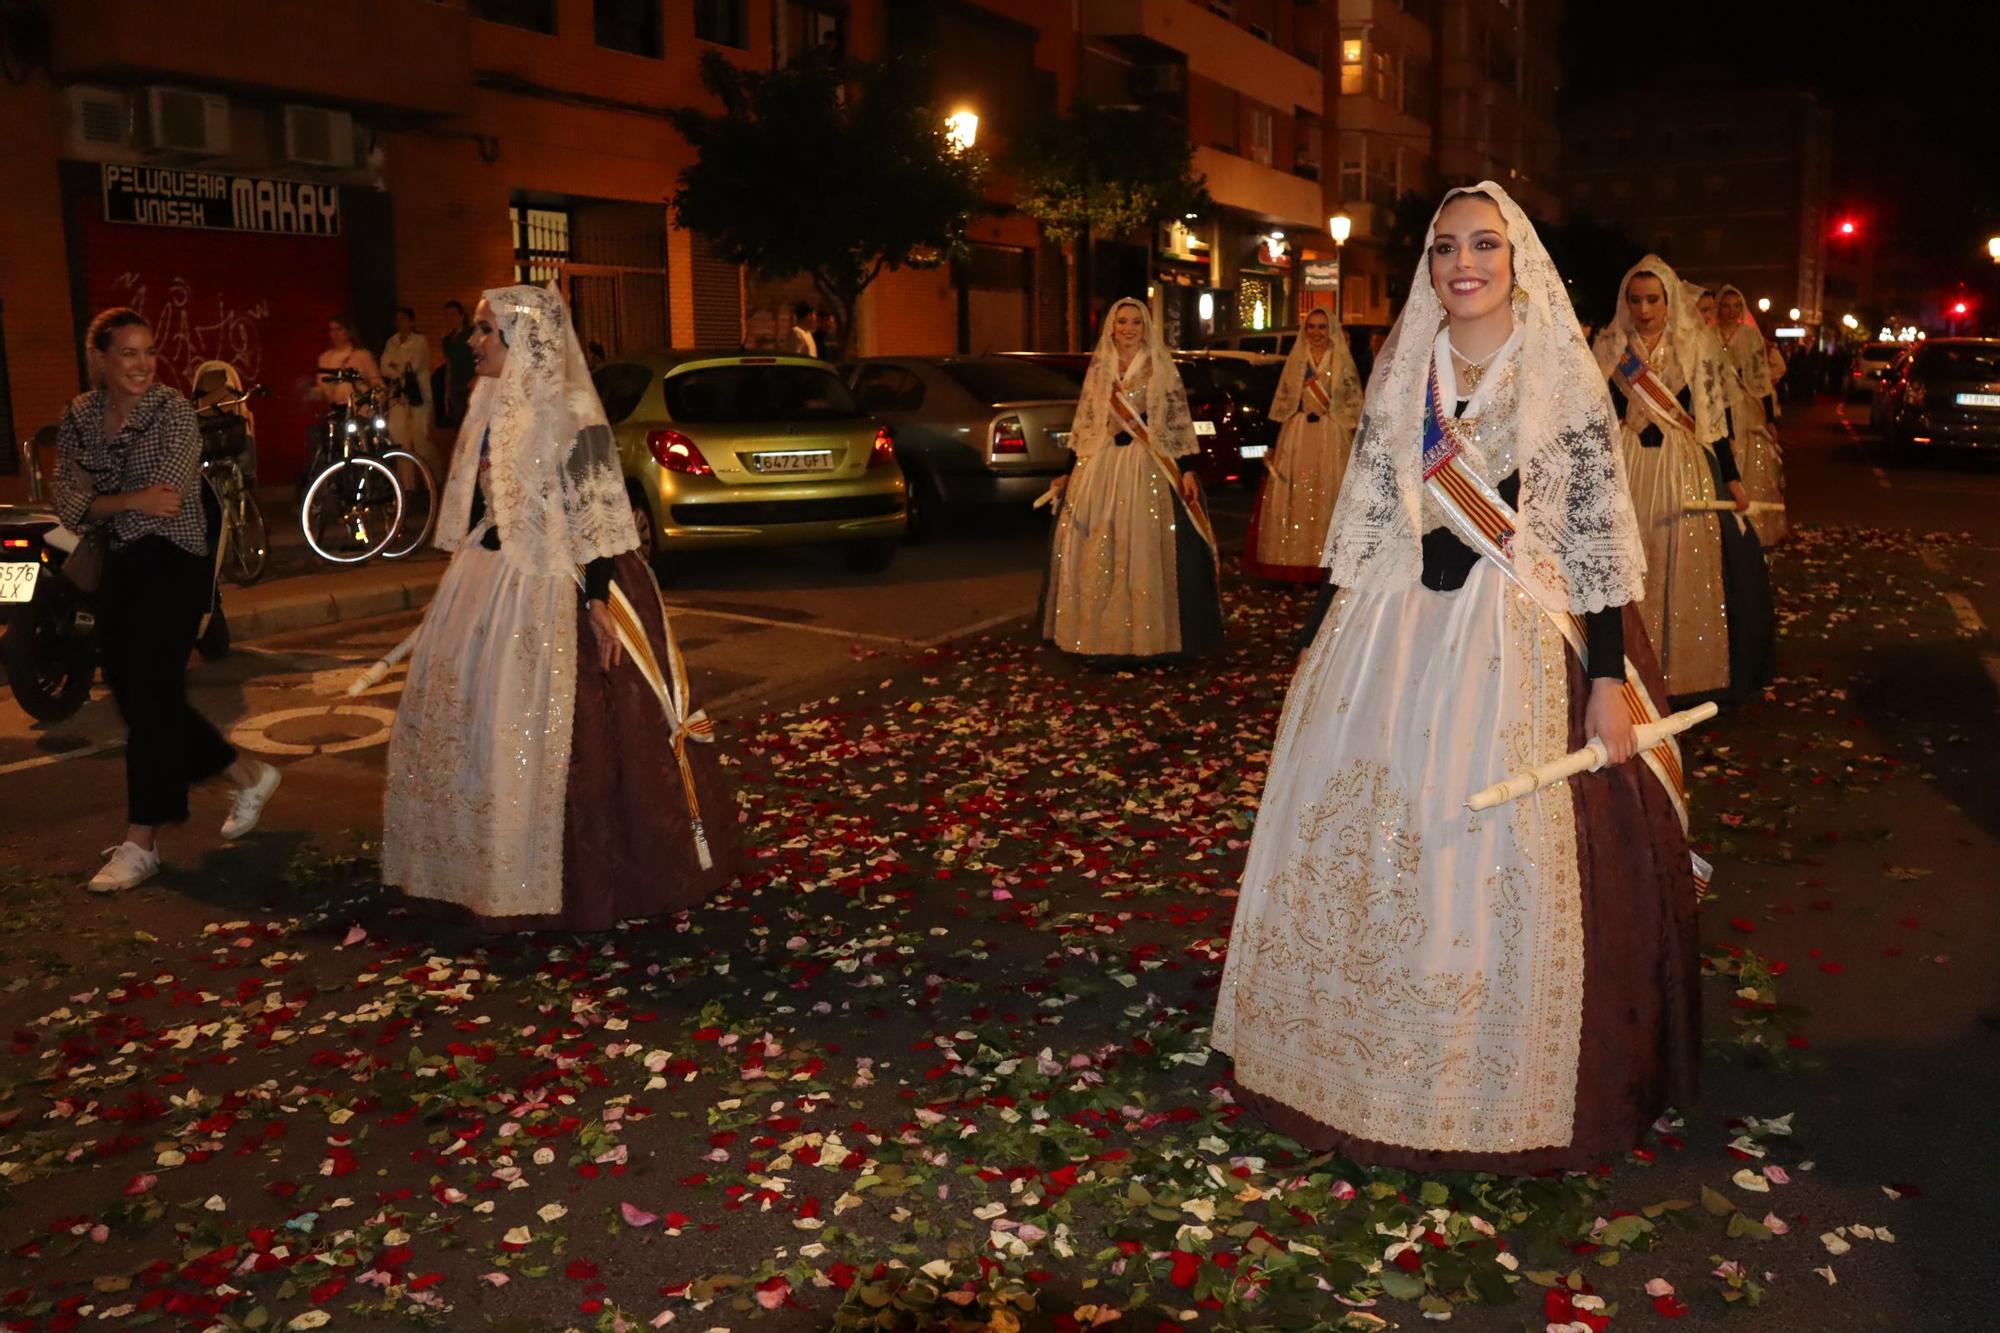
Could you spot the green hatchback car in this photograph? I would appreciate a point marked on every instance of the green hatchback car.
(734, 449)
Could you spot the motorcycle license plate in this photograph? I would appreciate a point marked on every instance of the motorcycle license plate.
(17, 580)
(794, 460)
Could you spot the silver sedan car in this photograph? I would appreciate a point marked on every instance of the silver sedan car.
(969, 430)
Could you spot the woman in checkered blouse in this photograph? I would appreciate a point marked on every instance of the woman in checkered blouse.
(129, 463)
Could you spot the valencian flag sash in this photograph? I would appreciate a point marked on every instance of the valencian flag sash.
(1170, 471)
(1641, 381)
(1488, 524)
(1322, 404)
(669, 683)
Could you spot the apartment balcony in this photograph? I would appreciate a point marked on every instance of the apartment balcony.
(1214, 47)
(1276, 196)
(389, 54)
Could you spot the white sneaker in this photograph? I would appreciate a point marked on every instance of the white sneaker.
(130, 866)
(249, 803)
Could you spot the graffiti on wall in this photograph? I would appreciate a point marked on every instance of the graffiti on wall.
(190, 328)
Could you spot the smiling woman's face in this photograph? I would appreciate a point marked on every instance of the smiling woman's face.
(1472, 266)
(1128, 328)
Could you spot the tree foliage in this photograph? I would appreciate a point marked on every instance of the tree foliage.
(1107, 171)
(835, 174)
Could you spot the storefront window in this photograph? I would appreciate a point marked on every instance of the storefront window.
(1255, 303)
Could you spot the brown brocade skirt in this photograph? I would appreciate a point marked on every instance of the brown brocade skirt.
(628, 845)
(1641, 1033)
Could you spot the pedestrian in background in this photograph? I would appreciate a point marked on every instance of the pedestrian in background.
(456, 368)
(800, 339)
(826, 335)
(406, 368)
(1753, 397)
(129, 478)
(1671, 417)
(343, 352)
(1132, 572)
(1317, 406)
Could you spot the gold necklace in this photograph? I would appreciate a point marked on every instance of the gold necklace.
(1470, 372)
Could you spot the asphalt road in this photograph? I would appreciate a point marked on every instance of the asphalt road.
(1019, 859)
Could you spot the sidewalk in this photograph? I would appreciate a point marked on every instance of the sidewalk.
(301, 591)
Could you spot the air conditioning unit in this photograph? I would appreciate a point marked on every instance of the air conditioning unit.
(98, 118)
(318, 137)
(181, 120)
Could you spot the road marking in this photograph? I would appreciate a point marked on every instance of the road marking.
(252, 733)
(769, 623)
(1968, 618)
(43, 761)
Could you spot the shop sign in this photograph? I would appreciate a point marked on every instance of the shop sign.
(218, 201)
(1322, 275)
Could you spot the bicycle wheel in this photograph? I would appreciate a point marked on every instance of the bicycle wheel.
(249, 539)
(420, 503)
(351, 511)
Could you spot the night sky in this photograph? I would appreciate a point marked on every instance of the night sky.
(1914, 90)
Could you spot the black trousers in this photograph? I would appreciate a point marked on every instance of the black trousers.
(150, 607)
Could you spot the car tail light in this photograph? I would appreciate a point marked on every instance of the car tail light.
(1920, 439)
(677, 453)
(15, 543)
(1009, 437)
(884, 448)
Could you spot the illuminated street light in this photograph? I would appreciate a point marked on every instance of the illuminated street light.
(1993, 248)
(1850, 321)
(1764, 304)
(961, 130)
(1340, 227)
(1795, 314)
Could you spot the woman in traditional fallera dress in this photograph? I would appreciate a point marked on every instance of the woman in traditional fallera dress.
(1410, 983)
(1746, 581)
(1668, 401)
(535, 777)
(1318, 404)
(1753, 403)
(1132, 572)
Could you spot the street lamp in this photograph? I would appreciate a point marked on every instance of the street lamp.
(1795, 314)
(1993, 248)
(1764, 304)
(961, 130)
(1340, 227)
(1849, 321)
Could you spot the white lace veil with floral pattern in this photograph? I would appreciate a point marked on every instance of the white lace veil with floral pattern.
(1161, 397)
(1755, 370)
(1690, 350)
(1341, 380)
(554, 485)
(1578, 544)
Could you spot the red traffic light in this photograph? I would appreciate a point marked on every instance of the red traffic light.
(1847, 227)
(1958, 308)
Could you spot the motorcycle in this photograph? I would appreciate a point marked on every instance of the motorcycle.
(49, 646)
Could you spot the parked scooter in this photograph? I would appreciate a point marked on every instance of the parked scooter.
(50, 643)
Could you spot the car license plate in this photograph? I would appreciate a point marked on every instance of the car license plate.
(17, 580)
(1204, 428)
(1060, 438)
(1979, 400)
(793, 460)
(1255, 450)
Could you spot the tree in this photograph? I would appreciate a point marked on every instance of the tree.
(807, 170)
(1106, 171)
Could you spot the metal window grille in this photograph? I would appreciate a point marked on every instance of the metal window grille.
(541, 243)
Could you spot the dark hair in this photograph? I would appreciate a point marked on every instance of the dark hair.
(1468, 193)
(802, 309)
(405, 310)
(453, 305)
(107, 323)
(346, 322)
(597, 349)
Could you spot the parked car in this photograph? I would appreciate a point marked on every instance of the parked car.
(733, 449)
(1234, 393)
(1869, 363)
(1949, 396)
(1889, 387)
(1221, 426)
(970, 431)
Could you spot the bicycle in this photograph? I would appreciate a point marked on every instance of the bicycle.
(245, 545)
(359, 504)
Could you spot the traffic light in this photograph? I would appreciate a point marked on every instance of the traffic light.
(1958, 307)
(1847, 227)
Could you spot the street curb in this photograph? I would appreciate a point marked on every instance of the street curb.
(315, 610)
